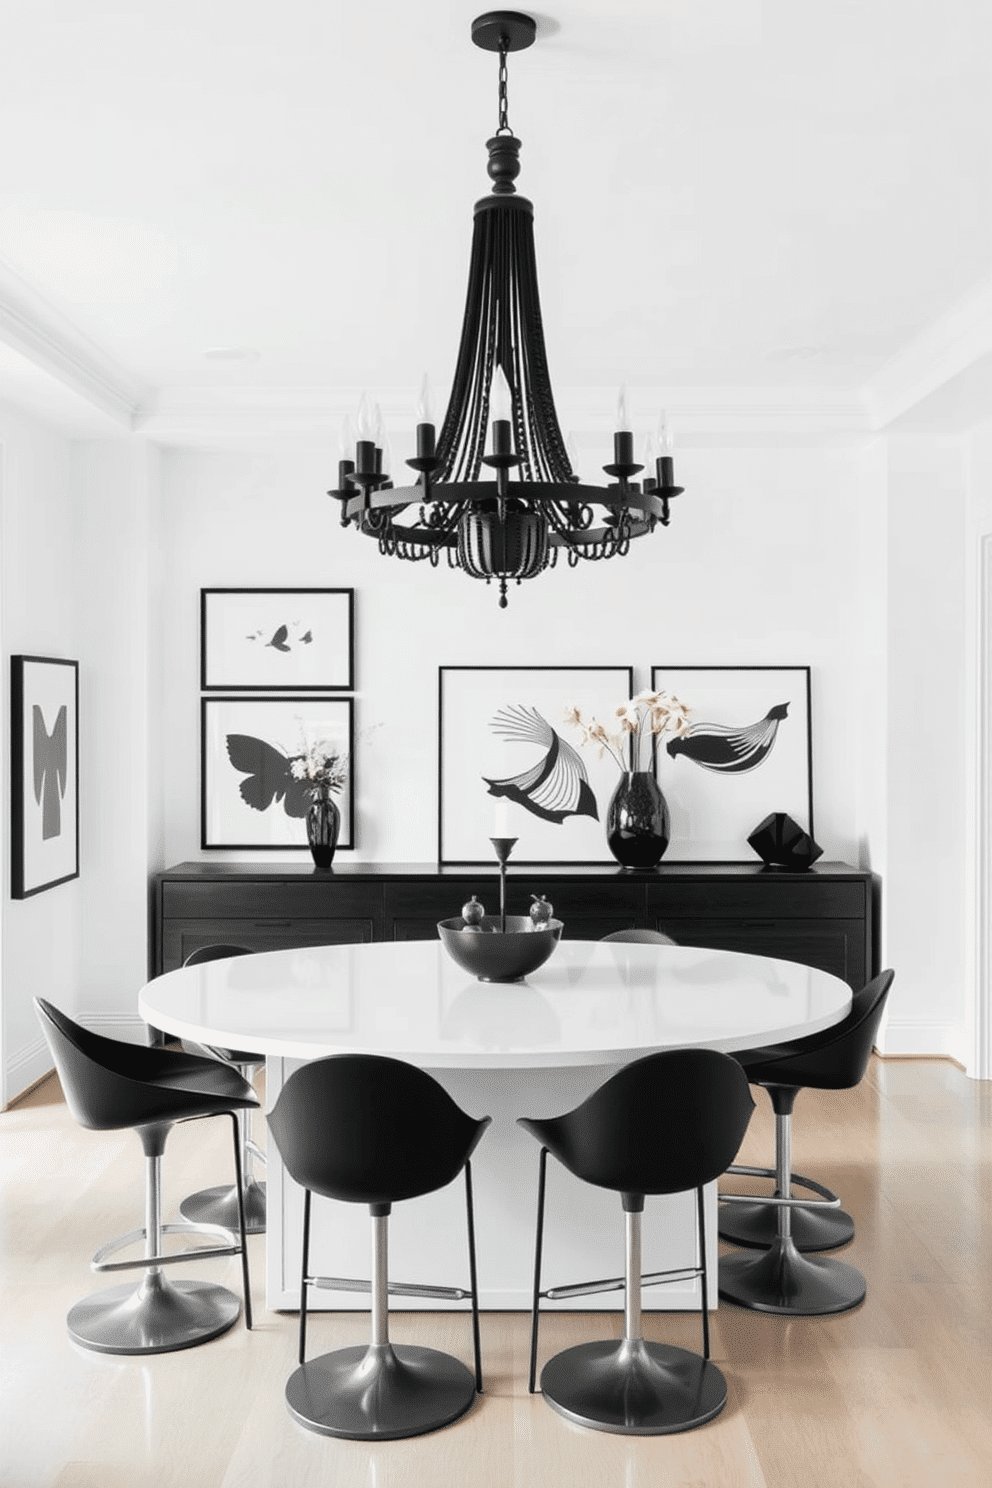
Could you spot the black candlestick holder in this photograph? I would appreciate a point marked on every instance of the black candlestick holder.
(503, 847)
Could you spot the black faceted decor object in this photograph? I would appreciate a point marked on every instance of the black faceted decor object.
(781, 843)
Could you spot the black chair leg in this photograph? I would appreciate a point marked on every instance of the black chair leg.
(242, 1219)
(304, 1272)
(701, 1241)
(538, 1246)
(473, 1275)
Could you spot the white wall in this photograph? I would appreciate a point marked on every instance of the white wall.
(40, 935)
(116, 523)
(978, 738)
(926, 747)
(852, 560)
(75, 584)
(761, 565)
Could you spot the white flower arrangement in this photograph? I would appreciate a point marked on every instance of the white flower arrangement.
(647, 716)
(321, 765)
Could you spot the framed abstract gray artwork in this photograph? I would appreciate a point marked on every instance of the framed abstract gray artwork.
(44, 757)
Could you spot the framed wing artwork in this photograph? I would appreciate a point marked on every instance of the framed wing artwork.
(748, 753)
(249, 796)
(510, 764)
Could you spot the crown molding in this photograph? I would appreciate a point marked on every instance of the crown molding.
(312, 417)
(32, 327)
(953, 345)
(927, 374)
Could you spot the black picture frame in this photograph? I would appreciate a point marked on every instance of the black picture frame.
(713, 810)
(44, 773)
(277, 640)
(469, 813)
(277, 726)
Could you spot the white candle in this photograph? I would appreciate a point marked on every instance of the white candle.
(501, 817)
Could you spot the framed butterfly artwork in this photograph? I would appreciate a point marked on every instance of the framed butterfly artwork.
(277, 640)
(44, 760)
(251, 759)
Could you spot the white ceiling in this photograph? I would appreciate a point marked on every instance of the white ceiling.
(740, 204)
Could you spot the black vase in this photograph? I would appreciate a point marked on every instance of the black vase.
(323, 826)
(637, 821)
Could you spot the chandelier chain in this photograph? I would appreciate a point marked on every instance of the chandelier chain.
(503, 127)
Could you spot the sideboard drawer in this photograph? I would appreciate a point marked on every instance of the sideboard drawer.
(180, 937)
(307, 900)
(769, 897)
(837, 946)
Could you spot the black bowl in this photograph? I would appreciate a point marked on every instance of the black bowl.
(495, 955)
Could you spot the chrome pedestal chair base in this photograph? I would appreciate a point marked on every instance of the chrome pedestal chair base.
(219, 1206)
(784, 1281)
(159, 1317)
(378, 1392)
(755, 1226)
(639, 1388)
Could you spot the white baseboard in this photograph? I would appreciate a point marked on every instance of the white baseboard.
(24, 1069)
(922, 1036)
(130, 1027)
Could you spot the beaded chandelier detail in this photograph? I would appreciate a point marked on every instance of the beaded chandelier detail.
(502, 528)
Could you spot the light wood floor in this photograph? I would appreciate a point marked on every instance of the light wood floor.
(895, 1393)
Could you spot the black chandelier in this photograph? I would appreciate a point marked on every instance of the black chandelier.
(501, 528)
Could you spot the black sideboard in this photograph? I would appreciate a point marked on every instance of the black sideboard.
(826, 917)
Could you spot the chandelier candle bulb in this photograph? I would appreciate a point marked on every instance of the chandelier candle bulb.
(365, 419)
(665, 464)
(425, 408)
(624, 421)
(425, 459)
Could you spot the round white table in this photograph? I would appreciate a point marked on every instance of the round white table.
(534, 1048)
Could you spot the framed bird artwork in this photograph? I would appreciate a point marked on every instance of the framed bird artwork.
(277, 640)
(748, 752)
(509, 765)
(44, 760)
(251, 752)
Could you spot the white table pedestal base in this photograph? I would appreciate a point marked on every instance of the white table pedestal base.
(584, 1230)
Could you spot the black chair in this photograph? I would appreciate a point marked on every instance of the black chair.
(110, 1085)
(219, 1206)
(663, 1125)
(639, 937)
(781, 1278)
(369, 1130)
